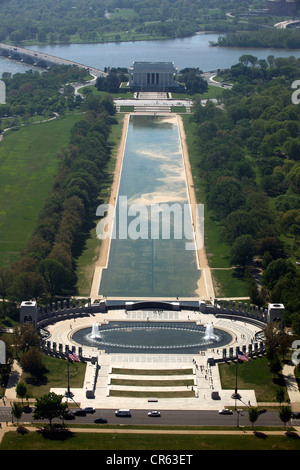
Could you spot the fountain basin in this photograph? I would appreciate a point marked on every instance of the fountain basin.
(152, 337)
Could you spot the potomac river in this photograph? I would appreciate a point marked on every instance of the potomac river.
(194, 51)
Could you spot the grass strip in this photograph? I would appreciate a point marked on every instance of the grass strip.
(145, 441)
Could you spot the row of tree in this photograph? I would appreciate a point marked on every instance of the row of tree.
(59, 21)
(265, 38)
(251, 174)
(47, 265)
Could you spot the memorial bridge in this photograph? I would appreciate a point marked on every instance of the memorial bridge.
(41, 60)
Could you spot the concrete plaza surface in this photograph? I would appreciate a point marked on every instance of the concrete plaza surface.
(205, 378)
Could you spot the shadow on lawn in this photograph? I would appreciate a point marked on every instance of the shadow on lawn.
(56, 434)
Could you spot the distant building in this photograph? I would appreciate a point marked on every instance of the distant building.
(153, 76)
(282, 7)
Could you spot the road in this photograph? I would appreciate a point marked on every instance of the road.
(209, 77)
(168, 417)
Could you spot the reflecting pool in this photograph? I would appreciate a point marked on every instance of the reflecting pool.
(140, 264)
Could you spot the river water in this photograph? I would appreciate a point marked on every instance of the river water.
(193, 51)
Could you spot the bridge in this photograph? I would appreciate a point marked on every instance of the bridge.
(41, 60)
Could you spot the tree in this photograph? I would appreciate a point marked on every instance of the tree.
(49, 406)
(5, 283)
(32, 362)
(271, 339)
(194, 83)
(243, 250)
(226, 195)
(275, 270)
(28, 285)
(253, 415)
(246, 59)
(238, 223)
(17, 410)
(280, 395)
(285, 414)
(284, 343)
(54, 274)
(21, 390)
(111, 83)
(275, 365)
(29, 337)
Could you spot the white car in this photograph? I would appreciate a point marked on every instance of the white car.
(225, 411)
(154, 413)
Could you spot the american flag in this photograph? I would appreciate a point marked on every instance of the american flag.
(73, 357)
(243, 356)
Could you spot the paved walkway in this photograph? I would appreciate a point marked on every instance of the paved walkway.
(206, 379)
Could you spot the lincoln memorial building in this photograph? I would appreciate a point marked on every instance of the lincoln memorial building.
(153, 76)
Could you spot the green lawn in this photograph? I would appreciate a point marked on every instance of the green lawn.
(253, 375)
(56, 376)
(73, 440)
(229, 283)
(28, 166)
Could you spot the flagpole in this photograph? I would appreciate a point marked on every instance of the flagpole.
(68, 377)
(70, 358)
(69, 394)
(236, 395)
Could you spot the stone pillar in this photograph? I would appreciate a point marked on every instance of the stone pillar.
(275, 311)
(29, 312)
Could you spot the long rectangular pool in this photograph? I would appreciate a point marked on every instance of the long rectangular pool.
(144, 259)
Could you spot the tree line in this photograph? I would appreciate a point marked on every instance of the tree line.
(249, 160)
(33, 92)
(53, 21)
(47, 266)
(264, 38)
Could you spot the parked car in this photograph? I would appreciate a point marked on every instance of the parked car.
(79, 413)
(100, 420)
(154, 414)
(296, 414)
(69, 415)
(89, 409)
(225, 411)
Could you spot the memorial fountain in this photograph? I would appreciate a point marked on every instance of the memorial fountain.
(209, 332)
(95, 331)
(154, 337)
